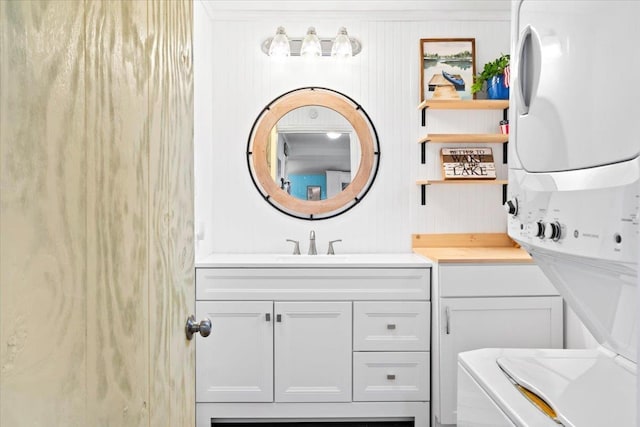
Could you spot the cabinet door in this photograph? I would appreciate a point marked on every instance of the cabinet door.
(313, 351)
(235, 362)
(473, 323)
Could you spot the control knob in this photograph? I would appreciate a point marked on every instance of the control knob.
(553, 231)
(540, 229)
(511, 206)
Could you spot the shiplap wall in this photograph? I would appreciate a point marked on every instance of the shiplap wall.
(384, 79)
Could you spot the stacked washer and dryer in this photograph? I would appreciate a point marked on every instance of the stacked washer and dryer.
(574, 191)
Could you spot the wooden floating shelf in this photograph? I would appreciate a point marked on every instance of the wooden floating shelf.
(462, 181)
(470, 104)
(477, 138)
(463, 240)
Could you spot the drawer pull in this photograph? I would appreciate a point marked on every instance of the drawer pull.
(391, 326)
(391, 376)
(267, 317)
(278, 317)
(447, 314)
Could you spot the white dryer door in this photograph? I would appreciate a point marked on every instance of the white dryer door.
(575, 69)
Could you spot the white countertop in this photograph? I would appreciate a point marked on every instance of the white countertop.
(395, 260)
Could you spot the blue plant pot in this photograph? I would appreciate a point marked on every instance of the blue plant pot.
(496, 88)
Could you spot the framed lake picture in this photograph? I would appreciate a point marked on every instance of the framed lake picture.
(448, 67)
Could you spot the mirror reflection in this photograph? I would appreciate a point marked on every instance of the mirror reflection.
(313, 153)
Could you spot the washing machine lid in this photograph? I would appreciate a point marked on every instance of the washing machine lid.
(586, 388)
(581, 391)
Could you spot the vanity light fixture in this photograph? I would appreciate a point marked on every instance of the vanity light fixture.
(311, 44)
(279, 44)
(342, 46)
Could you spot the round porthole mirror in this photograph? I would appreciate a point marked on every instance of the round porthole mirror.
(313, 153)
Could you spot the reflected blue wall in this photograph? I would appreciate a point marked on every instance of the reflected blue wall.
(299, 185)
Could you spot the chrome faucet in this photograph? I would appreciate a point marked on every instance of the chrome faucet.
(330, 250)
(296, 247)
(312, 243)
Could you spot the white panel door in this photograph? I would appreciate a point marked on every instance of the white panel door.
(312, 351)
(235, 362)
(473, 323)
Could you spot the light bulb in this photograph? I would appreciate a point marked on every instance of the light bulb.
(280, 44)
(311, 44)
(341, 47)
(333, 135)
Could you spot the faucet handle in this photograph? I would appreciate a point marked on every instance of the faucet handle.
(330, 250)
(296, 247)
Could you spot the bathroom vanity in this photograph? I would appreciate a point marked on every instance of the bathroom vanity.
(309, 338)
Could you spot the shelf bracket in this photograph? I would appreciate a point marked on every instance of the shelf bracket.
(423, 152)
(423, 191)
(505, 147)
(505, 153)
(504, 193)
(424, 116)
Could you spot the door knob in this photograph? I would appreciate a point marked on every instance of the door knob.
(192, 327)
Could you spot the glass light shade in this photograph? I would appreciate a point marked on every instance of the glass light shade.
(311, 44)
(280, 44)
(341, 47)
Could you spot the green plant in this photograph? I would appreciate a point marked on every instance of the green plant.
(491, 69)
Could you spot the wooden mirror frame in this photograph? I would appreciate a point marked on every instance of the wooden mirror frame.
(259, 140)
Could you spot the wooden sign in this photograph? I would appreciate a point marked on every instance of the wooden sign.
(468, 163)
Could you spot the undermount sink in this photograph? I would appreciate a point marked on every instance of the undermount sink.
(347, 260)
(312, 258)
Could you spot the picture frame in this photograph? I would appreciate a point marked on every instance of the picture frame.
(468, 163)
(447, 67)
(313, 192)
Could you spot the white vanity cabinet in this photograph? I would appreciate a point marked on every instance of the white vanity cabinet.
(489, 306)
(302, 350)
(314, 338)
(392, 345)
(313, 351)
(235, 362)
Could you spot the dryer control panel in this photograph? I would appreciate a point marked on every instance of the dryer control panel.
(578, 214)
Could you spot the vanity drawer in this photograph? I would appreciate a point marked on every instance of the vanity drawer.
(493, 280)
(391, 326)
(309, 284)
(382, 376)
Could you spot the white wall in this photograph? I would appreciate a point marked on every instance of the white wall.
(230, 214)
(203, 129)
